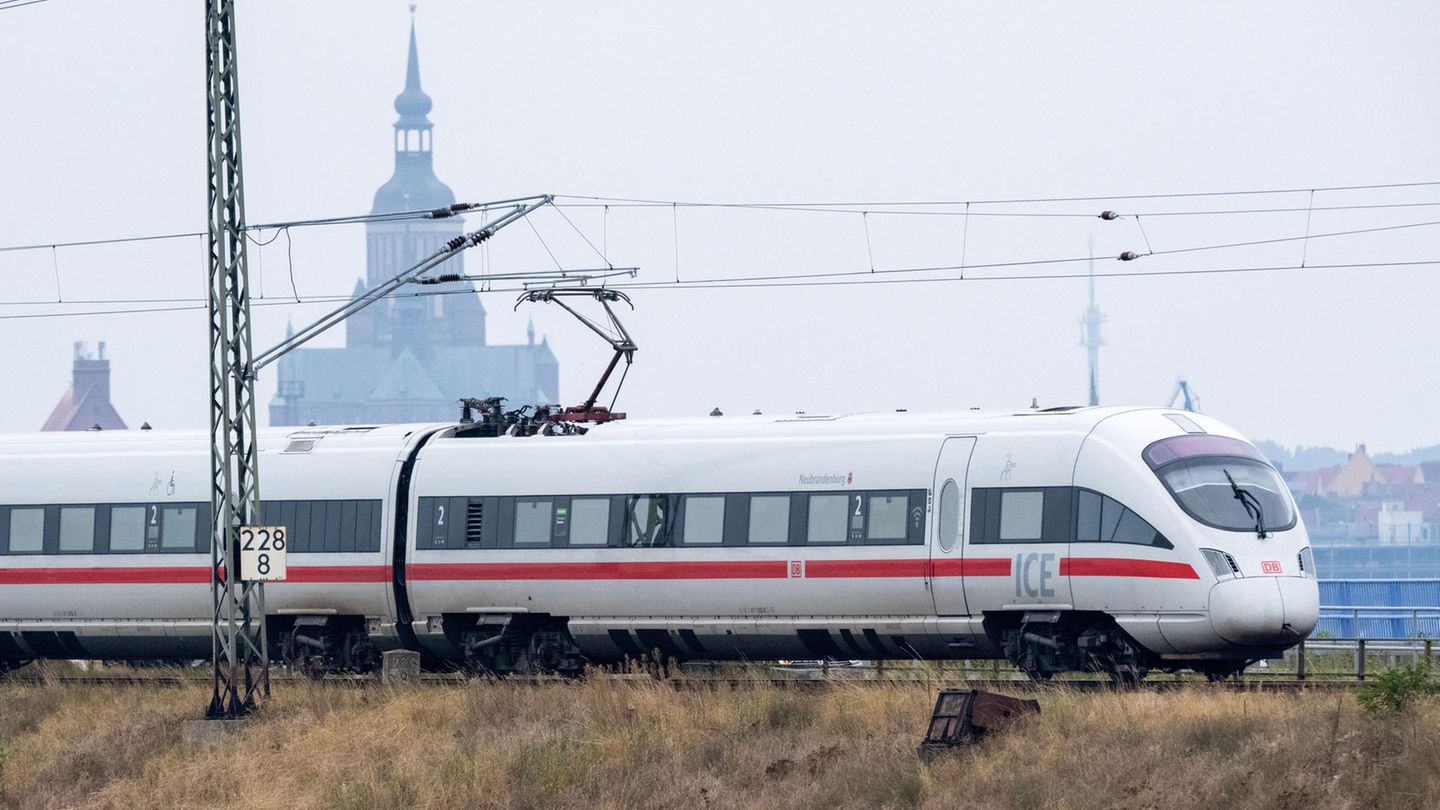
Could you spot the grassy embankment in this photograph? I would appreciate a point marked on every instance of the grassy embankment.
(627, 744)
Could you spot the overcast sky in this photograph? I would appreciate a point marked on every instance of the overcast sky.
(103, 114)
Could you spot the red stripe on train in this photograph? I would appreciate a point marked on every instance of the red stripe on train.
(160, 575)
(338, 573)
(181, 575)
(973, 567)
(825, 569)
(743, 569)
(1124, 567)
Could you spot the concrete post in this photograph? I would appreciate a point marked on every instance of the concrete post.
(400, 667)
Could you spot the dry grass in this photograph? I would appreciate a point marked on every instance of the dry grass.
(643, 744)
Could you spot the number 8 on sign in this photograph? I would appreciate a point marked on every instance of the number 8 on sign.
(262, 553)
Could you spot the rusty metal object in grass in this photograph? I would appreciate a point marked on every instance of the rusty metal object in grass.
(966, 716)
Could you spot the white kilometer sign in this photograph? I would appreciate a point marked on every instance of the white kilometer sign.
(262, 553)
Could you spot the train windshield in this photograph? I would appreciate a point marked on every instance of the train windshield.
(1222, 482)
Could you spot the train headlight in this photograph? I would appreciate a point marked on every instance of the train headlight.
(1307, 562)
(1222, 564)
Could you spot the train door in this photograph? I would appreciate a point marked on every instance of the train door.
(948, 533)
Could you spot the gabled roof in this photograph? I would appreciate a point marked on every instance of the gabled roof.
(406, 379)
(1398, 474)
(89, 410)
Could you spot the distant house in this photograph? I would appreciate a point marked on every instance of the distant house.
(410, 358)
(86, 405)
(1354, 477)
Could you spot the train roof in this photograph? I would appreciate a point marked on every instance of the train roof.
(689, 428)
(160, 440)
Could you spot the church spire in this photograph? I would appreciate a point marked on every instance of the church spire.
(413, 104)
(414, 185)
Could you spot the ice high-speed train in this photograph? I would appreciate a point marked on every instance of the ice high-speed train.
(1115, 539)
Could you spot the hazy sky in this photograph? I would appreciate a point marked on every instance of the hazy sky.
(102, 113)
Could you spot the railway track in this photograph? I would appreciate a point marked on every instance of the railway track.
(802, 683)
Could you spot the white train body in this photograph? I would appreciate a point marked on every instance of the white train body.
(1095, 538)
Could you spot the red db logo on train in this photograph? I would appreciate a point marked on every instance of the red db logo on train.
(797, 568)
(1270, 567)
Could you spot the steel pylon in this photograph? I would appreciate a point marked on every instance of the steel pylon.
(239, 655)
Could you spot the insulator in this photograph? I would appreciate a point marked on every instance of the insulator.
(1129, 256)
(1109, 215)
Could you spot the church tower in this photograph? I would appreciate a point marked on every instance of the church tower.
(413, 356)
(450, 313)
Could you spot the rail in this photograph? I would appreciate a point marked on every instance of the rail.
(1314, 663)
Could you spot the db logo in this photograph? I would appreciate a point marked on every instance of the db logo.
(797, 568)
(1270, 567)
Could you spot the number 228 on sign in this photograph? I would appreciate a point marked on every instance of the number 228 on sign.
(262, 553)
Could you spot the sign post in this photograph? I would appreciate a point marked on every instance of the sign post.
(262, 553)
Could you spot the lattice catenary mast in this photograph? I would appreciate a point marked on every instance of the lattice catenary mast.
(240, 661)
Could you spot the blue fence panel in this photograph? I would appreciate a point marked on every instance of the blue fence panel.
(1380, 592)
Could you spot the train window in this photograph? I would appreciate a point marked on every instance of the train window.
(299, 515)
(315, 534)
(333, 519)
(1132, 529)
(887, 516)
(950, 509)
(127, 528)
(589, 521)
(1022, 515)
(827, 519)
(316, 527)
(348, 510)
(1087, 523)
(532, 521)
(177, 532)
(1100, 518)
(77, 529)
(769, 519)
(1110, 513)
(1206, 488)
(704, 520)
(645, 521)
(27, 531)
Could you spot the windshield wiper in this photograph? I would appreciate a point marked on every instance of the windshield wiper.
(1248, 500)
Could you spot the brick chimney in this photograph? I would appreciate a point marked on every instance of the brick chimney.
(87, 403)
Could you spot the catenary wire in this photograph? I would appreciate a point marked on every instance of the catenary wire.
(847, 209)
(356, 219)
(841, 274)
(822, 208)
(721, 284)
(1017, 200)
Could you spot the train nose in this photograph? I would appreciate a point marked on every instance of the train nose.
(1265, 611)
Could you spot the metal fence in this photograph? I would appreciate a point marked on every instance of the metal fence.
(1348, 621)
(1347, 658)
